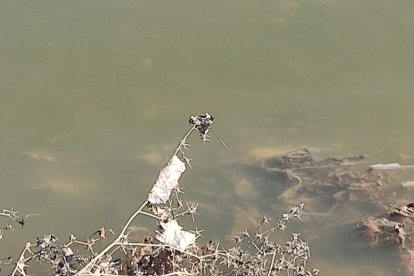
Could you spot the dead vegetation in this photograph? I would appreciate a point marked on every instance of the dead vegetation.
(13, 218)
(169, 249)
(342, 190)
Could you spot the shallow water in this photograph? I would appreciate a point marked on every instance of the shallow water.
(93, 97)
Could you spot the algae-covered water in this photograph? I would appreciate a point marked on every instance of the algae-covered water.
(95, 94)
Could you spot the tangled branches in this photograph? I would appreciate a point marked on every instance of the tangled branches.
(255, 253)
(13, 216)
(170, 250)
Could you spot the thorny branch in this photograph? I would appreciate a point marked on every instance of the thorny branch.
(171, 250)
(13, 216)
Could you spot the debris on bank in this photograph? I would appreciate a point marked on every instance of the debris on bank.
(368, 196)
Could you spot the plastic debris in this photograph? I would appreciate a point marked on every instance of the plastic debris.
(390, 166)
(202, 123)
(170, 233)
(67, 253)
(167, 180)
(407, 184)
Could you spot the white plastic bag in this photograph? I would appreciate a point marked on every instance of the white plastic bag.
(170, 233)
(166, 181)
(390, 166)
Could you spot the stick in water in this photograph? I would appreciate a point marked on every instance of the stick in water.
(222, 142)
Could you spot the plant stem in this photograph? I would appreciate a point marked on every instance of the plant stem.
(86, 269)
(88, 266)
(183, 141)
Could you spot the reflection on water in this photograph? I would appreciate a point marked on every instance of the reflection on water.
(94, 97)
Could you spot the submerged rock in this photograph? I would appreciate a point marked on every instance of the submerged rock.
(331, 181)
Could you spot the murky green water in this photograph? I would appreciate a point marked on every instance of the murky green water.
(94, 95)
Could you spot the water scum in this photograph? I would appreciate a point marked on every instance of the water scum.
(326, 187)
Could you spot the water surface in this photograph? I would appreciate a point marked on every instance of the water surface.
(94, 95)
